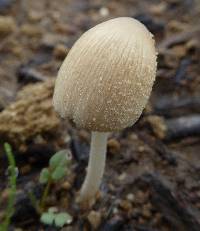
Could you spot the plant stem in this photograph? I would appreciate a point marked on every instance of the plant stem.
(45, 194)
(96, 165)
(12, 190)
(34, 202)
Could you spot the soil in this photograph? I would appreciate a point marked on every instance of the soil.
(152, 177)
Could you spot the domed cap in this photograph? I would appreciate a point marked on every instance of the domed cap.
(106, 79)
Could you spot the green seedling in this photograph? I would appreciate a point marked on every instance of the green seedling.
(12, 175)
(58, 168)
(53, 218)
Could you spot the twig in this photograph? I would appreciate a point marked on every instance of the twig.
(183, 126)
(181, 71)
(168, 105)
(163, 151)
(29, 75)
(177, 127)
(177, 39)
(175, 210)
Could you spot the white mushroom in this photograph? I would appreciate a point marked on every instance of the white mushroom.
(103, 85)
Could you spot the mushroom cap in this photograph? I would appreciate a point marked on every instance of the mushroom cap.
(106, 79)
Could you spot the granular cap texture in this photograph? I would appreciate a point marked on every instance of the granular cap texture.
(106, 79)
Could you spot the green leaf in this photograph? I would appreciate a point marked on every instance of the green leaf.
(44, 176)
(52, 210)
(62, 218)
(58, 173)
(60, 158)
(47, 218)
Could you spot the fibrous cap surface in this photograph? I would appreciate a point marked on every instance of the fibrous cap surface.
(106, 79)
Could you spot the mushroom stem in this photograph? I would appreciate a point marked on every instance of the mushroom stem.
(96, 165)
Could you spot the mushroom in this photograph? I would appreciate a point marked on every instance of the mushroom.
(103, 85)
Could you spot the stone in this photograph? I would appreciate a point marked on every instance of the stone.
(113, 146)
(60, 51)
(94, 217)
(7, 25)
(31, 30)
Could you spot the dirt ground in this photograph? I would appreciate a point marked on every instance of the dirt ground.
(152, 177)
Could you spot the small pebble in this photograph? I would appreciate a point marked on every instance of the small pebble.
(146, 213)
(67, 139)
(60, 51)
(39, 140)
(158, 9)
(63, 28)
(130, 197)
(122, 177)
(35, 16)
(179, 51)
(94, 217)
(17, 50)
(49, 40)
(113, 146)
(125, 205)
(104, 11)
(192, 45)
(111, 187)
(7, 25)
(115, 210)
(66, 185)
(133, 137)
(176, 26)
(141, 149)
(158, 125)
(31, 30)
